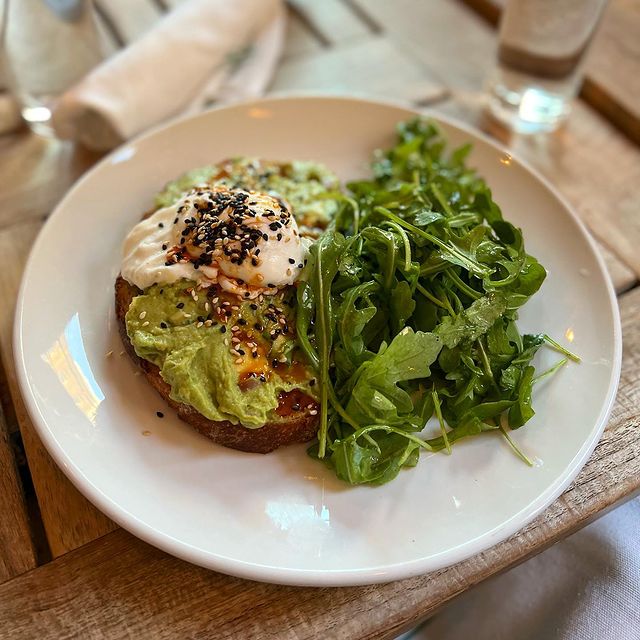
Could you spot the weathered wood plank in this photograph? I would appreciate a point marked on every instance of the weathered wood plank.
(16, 549)
(372, 67)
(69, 519)
(333, 19)
(299, 40)
(151, 594)
(35, 173)
(454, 43)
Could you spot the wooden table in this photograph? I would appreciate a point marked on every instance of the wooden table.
(66, 570)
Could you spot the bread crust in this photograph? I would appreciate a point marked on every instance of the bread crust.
(288, 428)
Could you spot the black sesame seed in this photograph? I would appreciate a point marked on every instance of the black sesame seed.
(164, 247)
(295, 407)
(180, 305)
(253, 306)
(160, 414)
(242, 321)
(300, 266)
(240, 351)
(312, 382)
(279, 236)
(292, 261)
(258, 326)
(223, 329)
(161, 225)
(163, 325)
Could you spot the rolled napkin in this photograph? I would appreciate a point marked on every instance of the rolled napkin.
(180, 65)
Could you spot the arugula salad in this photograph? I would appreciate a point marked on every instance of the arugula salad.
(407, 309)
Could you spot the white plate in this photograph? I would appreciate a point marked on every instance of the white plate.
(283, 517)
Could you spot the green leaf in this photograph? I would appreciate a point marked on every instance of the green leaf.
(473, 322)
(376, 397)
(425, 218)
(522, 411)
(402, 306)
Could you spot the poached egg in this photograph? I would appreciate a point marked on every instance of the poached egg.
(246, 242)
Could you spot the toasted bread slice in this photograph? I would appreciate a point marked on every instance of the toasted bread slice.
(289, 427)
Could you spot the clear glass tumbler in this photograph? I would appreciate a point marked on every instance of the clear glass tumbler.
(46, 47)
(541, 54)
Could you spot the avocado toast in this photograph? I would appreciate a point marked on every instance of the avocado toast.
(205, 301)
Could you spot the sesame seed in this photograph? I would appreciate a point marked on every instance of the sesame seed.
(239, 361)
(235, 328)
(109, 353)
(145, 323)
(142, 315)
(313, 412)
(199, 324)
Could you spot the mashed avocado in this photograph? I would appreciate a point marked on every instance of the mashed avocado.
(301, 183)
(191, 342)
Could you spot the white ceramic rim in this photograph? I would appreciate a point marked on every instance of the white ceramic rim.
(314, 577)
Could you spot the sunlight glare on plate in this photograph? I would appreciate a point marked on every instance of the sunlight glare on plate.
(68, 359)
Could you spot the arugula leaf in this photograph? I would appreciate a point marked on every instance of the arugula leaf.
(473, 322)
(376, 397)
(522, 411)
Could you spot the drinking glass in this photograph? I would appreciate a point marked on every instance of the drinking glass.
(46, 47)
(541, 55)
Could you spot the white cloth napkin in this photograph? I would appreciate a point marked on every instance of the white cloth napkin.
(202, 51)
(586, 587)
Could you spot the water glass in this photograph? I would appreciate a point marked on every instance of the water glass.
(540, 61)
(46, 46)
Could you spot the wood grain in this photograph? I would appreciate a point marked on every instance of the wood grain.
(120, 587)
(16, 549)
(333, 19)
(299, 40)
(372, 67)
(35, 174)
(454, 43)
(69, 519)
